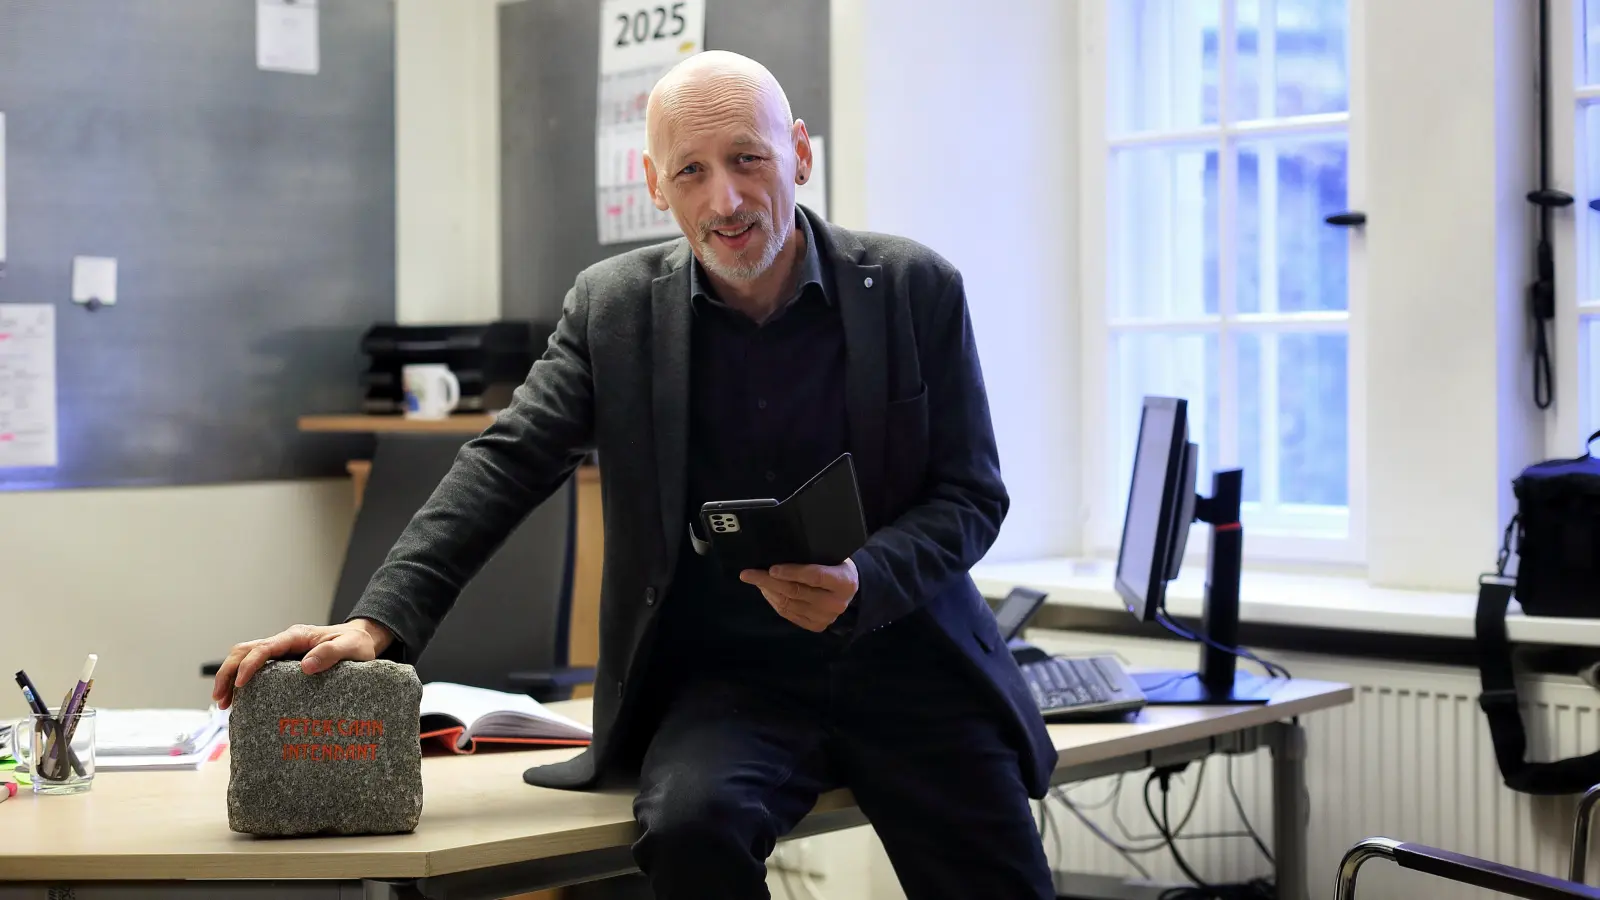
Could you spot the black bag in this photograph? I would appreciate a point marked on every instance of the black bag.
(1558, 541)
(1557, 536)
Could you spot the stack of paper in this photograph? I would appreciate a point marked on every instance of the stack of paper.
(158, 738)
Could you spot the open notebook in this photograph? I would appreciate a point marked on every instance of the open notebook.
(459, 716)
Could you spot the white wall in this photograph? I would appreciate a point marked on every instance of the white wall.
(1520, 425)
(447, 161)
(1448, 249)
(159, 580)
(958, 133)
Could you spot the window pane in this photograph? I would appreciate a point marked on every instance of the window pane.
(1293, 58)
(1163, 72)
(1588, 379)
(1163, 211)
(1294, 396)
(1168, 365)
(1589, 122)
(1590, 72)
(1290, 260)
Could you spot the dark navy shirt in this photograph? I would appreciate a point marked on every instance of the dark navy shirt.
(766, 413)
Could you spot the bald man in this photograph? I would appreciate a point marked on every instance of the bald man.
(733, 363)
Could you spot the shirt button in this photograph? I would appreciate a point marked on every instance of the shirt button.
(868, 282)
(761, 404)
(771, 475)
(649, 596)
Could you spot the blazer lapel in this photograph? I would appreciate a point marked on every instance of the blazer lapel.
(670, 330)
(862, 308)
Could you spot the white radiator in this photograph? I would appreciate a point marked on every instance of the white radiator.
(1410, 759)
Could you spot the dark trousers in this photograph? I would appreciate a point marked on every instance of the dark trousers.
(739, 758)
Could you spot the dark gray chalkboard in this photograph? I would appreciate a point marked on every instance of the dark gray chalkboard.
(549, 71)
(252, 214)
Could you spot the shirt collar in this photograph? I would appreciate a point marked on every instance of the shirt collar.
(810, 269)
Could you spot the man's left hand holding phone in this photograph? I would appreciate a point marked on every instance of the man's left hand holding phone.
(808, 595)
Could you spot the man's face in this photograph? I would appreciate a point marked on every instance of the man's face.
(727, 173)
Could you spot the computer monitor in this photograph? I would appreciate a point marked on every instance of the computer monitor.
(1162, 502)
(1155, 527)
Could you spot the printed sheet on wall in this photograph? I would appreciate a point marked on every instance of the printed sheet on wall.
(27, 385)
(639, 42)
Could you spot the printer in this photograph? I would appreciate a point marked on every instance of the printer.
(489, 359)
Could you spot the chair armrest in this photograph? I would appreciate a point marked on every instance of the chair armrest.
(1580, 833)
(551, 685)
(1460, 868)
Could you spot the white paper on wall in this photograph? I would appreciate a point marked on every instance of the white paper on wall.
(27, 385)
(286, 36)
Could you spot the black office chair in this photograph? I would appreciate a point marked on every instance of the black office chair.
(1470, 870)
(509, 629)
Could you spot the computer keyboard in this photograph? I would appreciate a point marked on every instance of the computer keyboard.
(1081, 687)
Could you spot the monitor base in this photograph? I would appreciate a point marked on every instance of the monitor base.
(1179, 688)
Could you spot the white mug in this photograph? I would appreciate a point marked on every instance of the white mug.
(431, 390)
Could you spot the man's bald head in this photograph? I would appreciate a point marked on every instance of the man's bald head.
(724, 155)
(714, 85)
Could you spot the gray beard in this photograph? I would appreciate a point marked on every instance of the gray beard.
(748, 271)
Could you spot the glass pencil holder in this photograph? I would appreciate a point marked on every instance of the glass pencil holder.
(59, 755)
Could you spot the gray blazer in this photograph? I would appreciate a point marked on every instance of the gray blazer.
(615, 378)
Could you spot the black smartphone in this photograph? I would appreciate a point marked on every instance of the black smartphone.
(821, 523)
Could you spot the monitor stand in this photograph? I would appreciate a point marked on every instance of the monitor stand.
(1180, 688)
(1217, 682)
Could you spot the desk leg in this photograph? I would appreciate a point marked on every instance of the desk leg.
(1290, 811)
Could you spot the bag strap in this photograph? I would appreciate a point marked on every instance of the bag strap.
(1500, 704)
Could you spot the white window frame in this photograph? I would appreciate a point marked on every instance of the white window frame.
(1102, 497)
(1571, 230)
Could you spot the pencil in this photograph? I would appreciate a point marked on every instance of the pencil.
(67, 722)
(36, 704)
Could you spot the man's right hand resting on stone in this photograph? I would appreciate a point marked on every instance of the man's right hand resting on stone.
(322, 646)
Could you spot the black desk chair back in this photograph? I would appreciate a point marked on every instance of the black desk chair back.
(509, 629)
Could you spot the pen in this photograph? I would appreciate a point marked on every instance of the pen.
(31, 695)
(72, 704)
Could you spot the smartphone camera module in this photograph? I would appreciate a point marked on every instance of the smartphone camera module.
(724, 523)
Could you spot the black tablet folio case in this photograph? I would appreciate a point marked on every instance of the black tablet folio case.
(820, 523)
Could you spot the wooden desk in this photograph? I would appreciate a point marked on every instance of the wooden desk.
(482, 827)
(583, 643)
